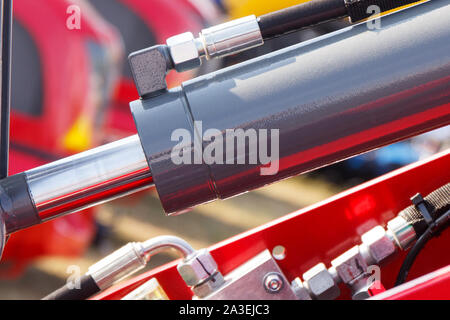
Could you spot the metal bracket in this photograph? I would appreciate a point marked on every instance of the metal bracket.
(149, 68)
(248, 281)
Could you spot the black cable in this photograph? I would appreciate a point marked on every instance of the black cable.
(303, 15)
(88, 287)
(440, 224)
(5, 108)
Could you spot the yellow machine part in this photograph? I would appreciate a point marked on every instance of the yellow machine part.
(242, 8)
(79, 137)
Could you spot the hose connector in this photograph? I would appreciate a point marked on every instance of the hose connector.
(402, 231)
(133, 257)
(199, 271)
(118, 265)
(231, 37)
(222, 40)
(184, 52)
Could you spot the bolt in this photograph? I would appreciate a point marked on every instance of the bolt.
(273, 282)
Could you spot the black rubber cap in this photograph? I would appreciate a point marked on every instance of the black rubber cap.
(16, 205)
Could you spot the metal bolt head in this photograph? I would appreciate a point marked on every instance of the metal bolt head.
(197, 267)
(378, 244)
(320, 283)
(184, 52)
(273, 282)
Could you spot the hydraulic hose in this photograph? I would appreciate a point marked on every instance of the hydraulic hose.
(184, 52)
(303, 15)
(441, 223)
(437, 203)
(318, 11)
(87, 288)
(424, 219)
(119, 265)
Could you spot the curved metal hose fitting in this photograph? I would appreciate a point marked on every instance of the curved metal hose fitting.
(161, 243)
(133, 257)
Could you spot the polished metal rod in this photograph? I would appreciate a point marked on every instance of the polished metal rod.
(89, 178)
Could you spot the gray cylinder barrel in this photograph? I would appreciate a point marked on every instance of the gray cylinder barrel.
(328, 99)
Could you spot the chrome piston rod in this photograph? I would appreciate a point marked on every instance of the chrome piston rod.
(77, 182)
(85, 179)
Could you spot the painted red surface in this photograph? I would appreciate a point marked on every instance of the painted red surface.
(434, 286)
(325, 230)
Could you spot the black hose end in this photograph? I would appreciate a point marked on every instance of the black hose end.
(87, 288)
(360, 9)
(16, 205)
(300, 16)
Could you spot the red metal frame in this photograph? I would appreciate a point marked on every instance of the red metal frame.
(325, 230)
(433, 286)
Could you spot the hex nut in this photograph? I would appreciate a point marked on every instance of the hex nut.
(361, 288)
(380, 246)
(361, 293)
(350, 265)
(204, 289)
(300, 290)
(184, 52)
(197, 267)
(320, 283)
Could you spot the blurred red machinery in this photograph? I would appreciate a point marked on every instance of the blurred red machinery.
(60, 87)
(143, 23)
(70, 78)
